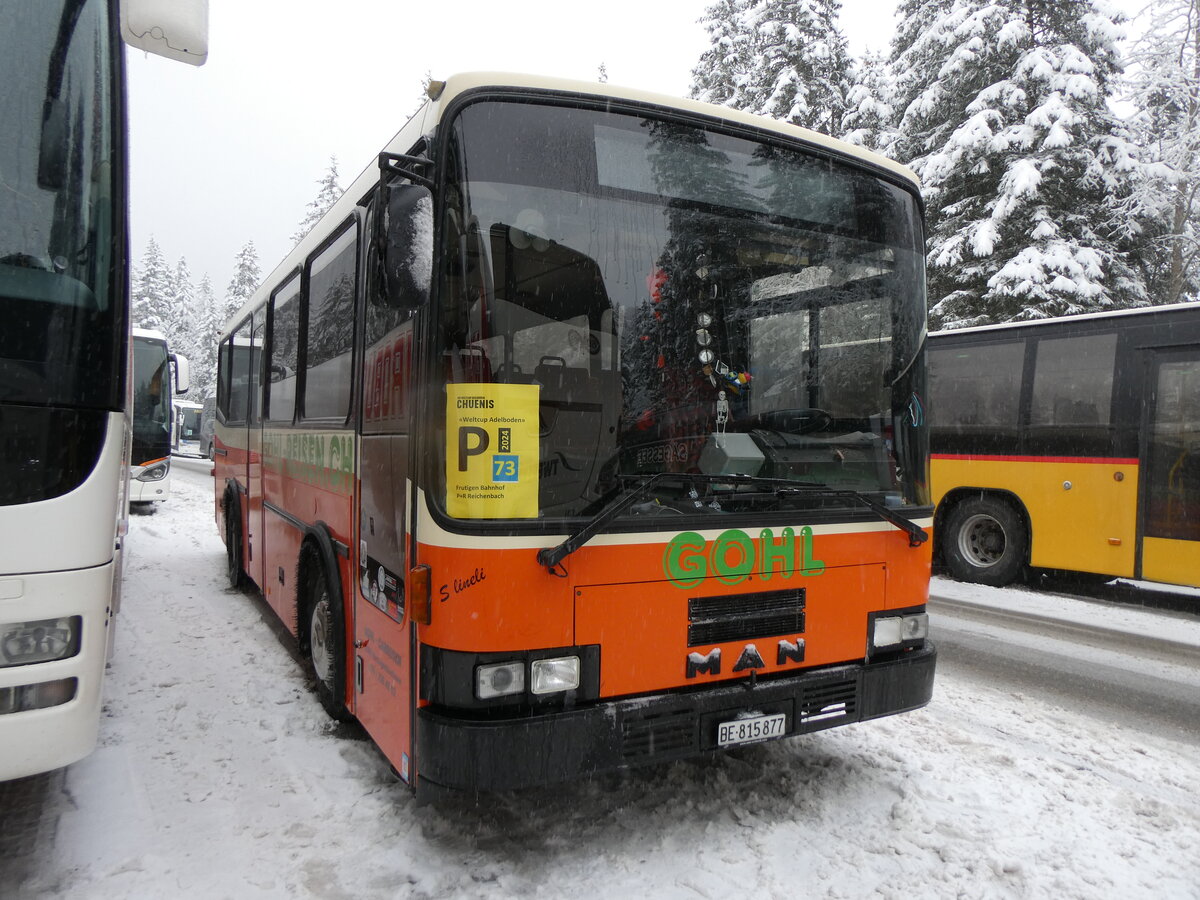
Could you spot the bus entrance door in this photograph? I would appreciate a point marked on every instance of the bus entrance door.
(383, 664)
(1170, 547)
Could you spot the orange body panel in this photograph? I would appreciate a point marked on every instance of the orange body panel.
(620, 597)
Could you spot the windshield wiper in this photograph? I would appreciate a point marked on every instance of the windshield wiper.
(550, 557)
(916, 534)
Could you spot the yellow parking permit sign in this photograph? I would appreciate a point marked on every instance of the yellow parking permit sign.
(492, 451)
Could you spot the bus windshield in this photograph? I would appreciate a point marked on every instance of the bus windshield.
(685, 301)
(151, 400)
(60, 342)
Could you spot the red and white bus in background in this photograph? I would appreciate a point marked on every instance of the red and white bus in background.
(65, 356)
(586, 431)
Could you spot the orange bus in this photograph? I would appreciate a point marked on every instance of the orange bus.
(585, 431)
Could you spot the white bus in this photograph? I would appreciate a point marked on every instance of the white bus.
(156, 371)
(185, 428)
(64, 357)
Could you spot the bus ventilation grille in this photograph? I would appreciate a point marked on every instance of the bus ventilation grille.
(654, 737)
(828, 704)
(716, 620)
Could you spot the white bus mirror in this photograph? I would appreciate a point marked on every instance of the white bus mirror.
(408, 251)
(183, 375)
(176, 29)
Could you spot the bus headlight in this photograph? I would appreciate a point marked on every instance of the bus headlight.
(155, 471)
(895, 631)
(550, 676)
(27, 643)
(499, 680)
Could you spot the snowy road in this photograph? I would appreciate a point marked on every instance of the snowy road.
(219, 776)
(1149, 682)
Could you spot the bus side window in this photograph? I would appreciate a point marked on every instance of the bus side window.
(329, 337)
(284, 353)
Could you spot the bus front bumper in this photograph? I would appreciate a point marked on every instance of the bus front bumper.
(477, 755)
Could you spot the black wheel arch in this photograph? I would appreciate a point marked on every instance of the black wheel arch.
(318, 558)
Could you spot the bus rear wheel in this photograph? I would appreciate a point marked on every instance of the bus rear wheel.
(985, 542)
(326, 647)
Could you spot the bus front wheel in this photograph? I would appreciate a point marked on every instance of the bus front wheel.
(326, 646)
(985, 542)
(233, 544)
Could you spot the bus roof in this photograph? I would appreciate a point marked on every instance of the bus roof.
(149, 334)
(424, 120)
(1168, 309)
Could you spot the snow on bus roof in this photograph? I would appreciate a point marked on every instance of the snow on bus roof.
(1083, 317)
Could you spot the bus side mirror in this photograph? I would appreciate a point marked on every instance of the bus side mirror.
(176, 29)
(408, 246)
(183, 380)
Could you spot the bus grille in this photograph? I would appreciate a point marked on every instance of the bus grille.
(716, 620)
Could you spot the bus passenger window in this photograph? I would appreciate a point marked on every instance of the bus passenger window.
(330, 329)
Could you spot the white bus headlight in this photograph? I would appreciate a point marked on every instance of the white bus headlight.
(26, 643)
(893, 631)
(499, 680)
(550, 676)
(156, 471)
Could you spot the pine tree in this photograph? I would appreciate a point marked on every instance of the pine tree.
(181, 328)
(1003, 113)
(210, 320)
(786, 59)
(152, 290)
(869, 114)
(328, 195)
(246, 278)
(1165, 87)
(721, 74)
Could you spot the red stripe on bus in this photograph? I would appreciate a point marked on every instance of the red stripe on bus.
(1110, 460)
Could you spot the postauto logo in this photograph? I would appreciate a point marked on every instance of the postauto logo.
(734, 556)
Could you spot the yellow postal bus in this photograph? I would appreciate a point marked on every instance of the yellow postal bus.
(1069, 444)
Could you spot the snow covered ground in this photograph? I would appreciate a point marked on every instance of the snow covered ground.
(218, 775)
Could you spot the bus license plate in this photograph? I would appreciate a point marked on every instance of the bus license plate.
(748, 730)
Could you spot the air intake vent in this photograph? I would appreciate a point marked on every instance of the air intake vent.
(655, 737)
(716, 620)
(828, 704)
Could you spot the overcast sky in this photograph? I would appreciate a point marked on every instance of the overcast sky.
(233, 151)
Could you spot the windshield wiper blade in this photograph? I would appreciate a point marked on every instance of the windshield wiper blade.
(550, 557)
(916, 534)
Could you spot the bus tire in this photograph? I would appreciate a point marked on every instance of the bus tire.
(985, 542)
(234, 570)
(326, 644)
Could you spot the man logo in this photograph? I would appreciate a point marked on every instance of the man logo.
(750, 659)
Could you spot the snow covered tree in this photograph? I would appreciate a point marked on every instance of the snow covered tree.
(786, 59)
(724, 68)
(152, 290)
(1004, 114)
(181, 327)
(209, 322)
(869, 114)
(246, 278)
(328, 195)
(1164, 85)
